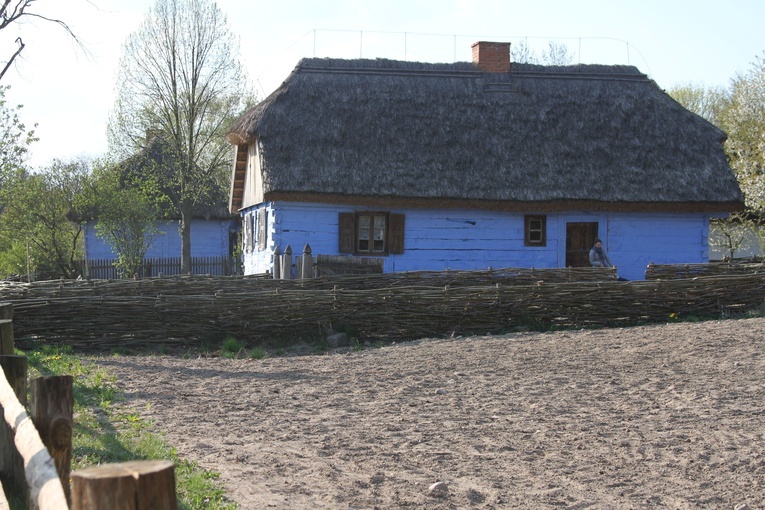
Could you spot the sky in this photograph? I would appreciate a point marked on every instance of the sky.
(69, 91)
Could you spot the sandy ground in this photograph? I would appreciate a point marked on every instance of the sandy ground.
(669, 416)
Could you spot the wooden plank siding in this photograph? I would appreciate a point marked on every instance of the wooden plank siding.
(209, 238)
(439, 239)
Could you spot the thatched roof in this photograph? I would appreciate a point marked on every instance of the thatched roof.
(156, 159)
(557, 137)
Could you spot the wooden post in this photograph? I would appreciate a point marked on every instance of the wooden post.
(38, 477)
(277, 264)
(306, 268)
(6, 328)
(287, 263)
(6, 310)
(11, 462)
(51, 407)
(136, 485)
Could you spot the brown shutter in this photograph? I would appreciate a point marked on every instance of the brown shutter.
(347, 227)
(396, 233)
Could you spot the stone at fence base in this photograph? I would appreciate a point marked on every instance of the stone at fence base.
(338, 340)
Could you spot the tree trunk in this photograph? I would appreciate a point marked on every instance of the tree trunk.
(185, 231)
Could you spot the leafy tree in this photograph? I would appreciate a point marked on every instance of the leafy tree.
(708, 102)
(740, 112)
(42, 212)
(126, 219)
(15, 140)
(744, 122)
(180, 79)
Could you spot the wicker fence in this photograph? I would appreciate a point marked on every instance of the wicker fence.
(181, 311)
(674, 271)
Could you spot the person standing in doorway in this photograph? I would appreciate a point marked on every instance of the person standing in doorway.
(598, 256)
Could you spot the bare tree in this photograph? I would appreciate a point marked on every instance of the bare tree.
(557, 54)
(522, 53)
(13, 12)
(181, 80)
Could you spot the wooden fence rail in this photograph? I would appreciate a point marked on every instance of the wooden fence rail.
(36, 450)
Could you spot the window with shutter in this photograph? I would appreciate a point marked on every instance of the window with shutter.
(371, 233)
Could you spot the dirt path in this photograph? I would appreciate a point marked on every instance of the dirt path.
(650, 417)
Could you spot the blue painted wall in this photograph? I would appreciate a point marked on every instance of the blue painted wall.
(437, 239)
(209, 238)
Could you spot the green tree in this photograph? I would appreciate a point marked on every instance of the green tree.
(739, 111)
(127, 219)
(744, 122)
(43, 214)
(180, 79)
(15, 140)
(708, 102)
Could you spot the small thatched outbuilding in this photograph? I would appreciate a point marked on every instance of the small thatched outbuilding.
(469, 165)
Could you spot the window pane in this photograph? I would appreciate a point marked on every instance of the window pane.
(379, 228)
(364, 222)
(535, 234)
(378, 231)
(364, 229)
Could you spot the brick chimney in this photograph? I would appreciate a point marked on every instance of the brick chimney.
(492, 57)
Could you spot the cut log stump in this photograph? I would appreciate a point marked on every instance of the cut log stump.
(135, 485)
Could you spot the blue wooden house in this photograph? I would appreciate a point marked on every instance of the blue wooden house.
(475, 165)
(210, 237)
(214, 230)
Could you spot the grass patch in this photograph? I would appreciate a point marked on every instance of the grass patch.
(105, 433)
(258, 353)
(231, 347)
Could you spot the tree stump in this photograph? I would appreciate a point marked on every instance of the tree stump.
(135, 485)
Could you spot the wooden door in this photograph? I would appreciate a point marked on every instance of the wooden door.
(580, 237)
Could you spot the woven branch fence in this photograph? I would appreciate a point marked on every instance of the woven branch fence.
(668, 271)
(183, 310)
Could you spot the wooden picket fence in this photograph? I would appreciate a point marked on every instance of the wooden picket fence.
(103, 269)
(36, 448)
